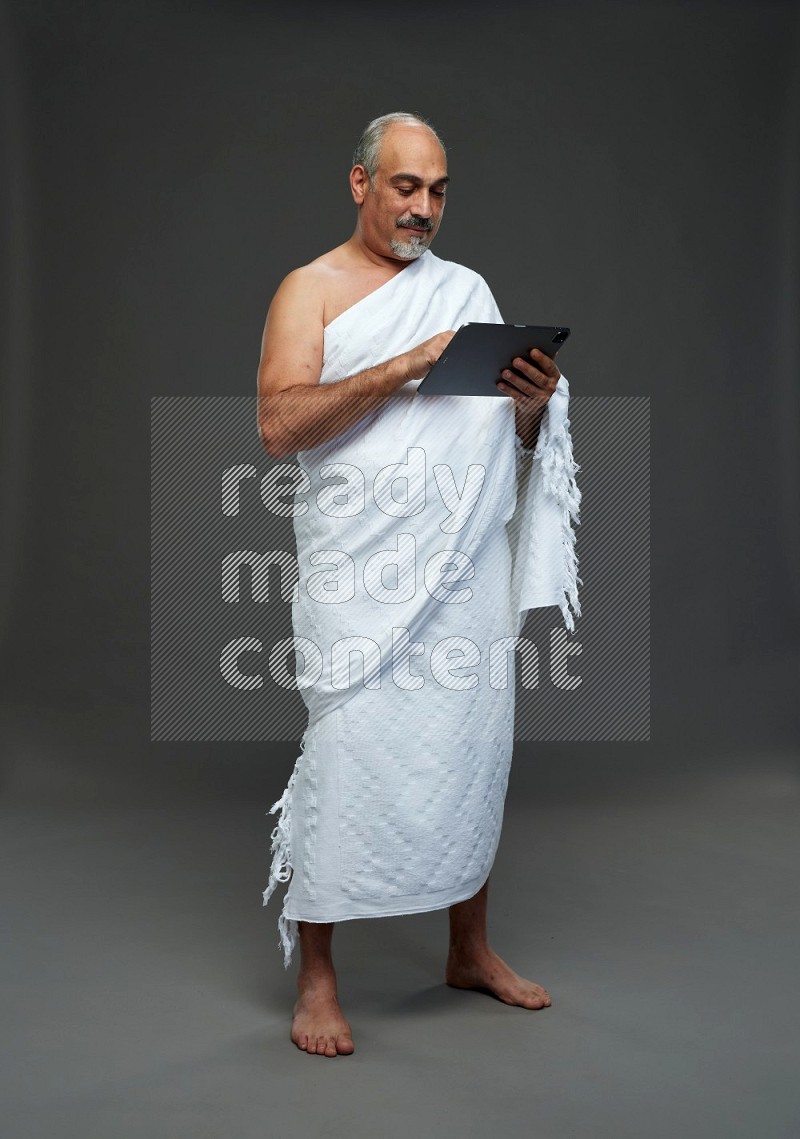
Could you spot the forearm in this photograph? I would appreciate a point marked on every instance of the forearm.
(306, 415)
(527, 425)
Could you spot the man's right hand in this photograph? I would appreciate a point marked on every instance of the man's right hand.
(295, 410)
(422, 358)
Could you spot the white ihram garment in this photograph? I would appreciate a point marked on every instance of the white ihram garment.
(395, 803)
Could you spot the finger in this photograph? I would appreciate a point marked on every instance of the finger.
(545, 363)
(546, 374)
(529, 371)
(532, 381)
(521, 390)
(506, 388)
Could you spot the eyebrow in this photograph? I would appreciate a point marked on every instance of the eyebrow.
(416, 180)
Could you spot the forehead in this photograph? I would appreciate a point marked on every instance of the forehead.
(409, 147)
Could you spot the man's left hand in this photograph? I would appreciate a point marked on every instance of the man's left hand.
(533, 392)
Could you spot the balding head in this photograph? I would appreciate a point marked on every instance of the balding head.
(369, 149)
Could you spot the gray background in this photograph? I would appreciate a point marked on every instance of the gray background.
(631, 170)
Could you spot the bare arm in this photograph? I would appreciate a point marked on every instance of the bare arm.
(295, 411)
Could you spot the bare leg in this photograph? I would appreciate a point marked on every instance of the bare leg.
(318, 1023)
(472, 964)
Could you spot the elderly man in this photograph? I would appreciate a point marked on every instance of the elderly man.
(395, 804)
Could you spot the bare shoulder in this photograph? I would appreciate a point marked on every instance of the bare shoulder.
(301, 288)
(292, 344)
(307, 299)
(333, 262)
(343, 280)
(308, 288)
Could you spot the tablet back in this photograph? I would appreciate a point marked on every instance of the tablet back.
(476, 355)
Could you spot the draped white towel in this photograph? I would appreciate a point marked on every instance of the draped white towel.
(395, 802)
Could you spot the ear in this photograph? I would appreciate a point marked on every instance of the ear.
(359, 184)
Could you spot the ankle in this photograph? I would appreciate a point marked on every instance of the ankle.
(318, 979)
(466, 949)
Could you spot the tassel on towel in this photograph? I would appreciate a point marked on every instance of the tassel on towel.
(281, 867)
(558, 477)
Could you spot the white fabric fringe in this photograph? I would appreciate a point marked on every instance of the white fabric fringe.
(558, 476)
(281, 867)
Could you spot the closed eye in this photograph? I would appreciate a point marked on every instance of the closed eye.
(436, 193)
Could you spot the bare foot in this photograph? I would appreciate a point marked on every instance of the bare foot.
(488, 972)
(319, 1025)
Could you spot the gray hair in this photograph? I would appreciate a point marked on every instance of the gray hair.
(368, 148)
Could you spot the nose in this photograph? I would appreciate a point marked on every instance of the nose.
(421, 204)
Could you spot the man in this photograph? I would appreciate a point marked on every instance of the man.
(395, 804)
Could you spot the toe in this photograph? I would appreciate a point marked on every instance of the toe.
(302, 1040)
(542, 996)
(330, 1046)
(344, 1044)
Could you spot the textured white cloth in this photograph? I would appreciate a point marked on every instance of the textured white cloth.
(395, 803)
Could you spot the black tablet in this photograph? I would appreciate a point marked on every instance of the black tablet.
(478, 353)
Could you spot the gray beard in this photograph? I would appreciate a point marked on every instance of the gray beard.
(410, 250)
